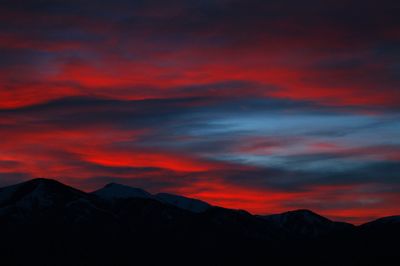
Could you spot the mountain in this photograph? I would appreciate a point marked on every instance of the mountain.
(185, 203)
(381, 237)
(382, 229)
(39, 194)
(118, 191)
(43, 216)
(115, 191)
(44, 222)
(383, 222)
(305, 223)
(49, 203)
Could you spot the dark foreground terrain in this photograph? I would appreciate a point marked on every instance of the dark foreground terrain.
(43, 222)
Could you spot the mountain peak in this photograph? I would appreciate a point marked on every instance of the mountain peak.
(119, 191)
(42, 180)
(303, 215)
(382, 222)
(38, 192)
(308, 215)
(112, 184)
(304, 222)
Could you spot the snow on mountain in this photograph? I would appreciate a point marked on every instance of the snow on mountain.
(118, 191)
(37, 193)
(182, 202)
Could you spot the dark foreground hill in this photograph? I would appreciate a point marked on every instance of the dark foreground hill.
(43, 222)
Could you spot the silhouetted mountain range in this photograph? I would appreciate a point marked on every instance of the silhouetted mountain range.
(44, 222)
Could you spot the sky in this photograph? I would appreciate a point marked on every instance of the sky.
(261, 105)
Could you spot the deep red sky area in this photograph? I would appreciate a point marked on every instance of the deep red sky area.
(266, 106)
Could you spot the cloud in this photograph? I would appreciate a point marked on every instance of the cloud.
(140, 50)
(252, 104)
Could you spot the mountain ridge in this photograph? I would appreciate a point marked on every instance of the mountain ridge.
(68, 225)
(134, 192)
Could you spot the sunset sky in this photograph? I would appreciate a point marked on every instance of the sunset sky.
(260, 105)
